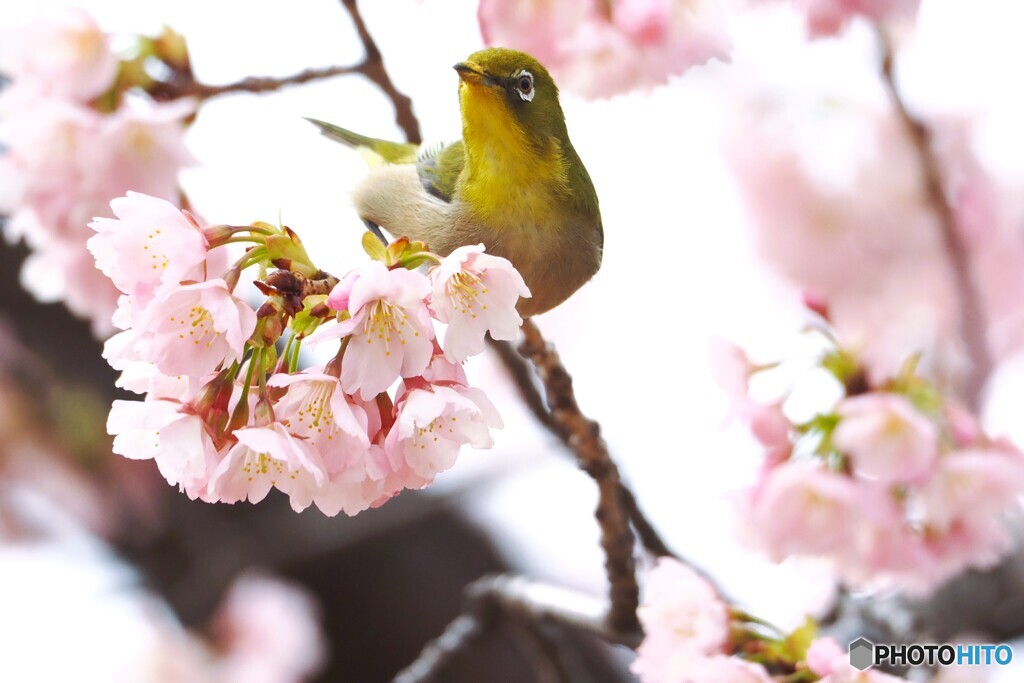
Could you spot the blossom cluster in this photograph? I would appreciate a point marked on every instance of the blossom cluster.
(75, 135)
(227, 413)
(895, 483)
(601, 48)
(693, 636)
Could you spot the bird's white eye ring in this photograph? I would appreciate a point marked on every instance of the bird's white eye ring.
(524, 85)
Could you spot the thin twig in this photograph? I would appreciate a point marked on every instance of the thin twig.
(584, 438)
(971, 311)
(438, 653)
(183, 84)
(188, 87)
(373, 68)
(494, 599)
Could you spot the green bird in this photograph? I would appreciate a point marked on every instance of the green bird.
(514, 181)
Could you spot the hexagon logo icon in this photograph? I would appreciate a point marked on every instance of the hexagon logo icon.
(862, 654)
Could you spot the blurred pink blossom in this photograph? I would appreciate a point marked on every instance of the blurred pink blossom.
(599, 48)
(978, 483)
(886, 437)
(801, 507)
(822, 654)
(475, 293)
(64, 159)
(863, 238)
(684, 621)
(828, 17)
(721, 669)
(267, 630)
(61, 53)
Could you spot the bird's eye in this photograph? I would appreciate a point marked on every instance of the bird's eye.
(524, 85)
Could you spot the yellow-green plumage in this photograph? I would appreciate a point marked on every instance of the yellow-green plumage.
(514, 181)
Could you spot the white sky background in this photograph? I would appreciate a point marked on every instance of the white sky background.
(678, 263)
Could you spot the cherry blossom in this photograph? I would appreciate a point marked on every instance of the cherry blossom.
(267, 630)
(264, 458)
(161, 430)
(389, 331)
(151, 242)
(828, 17)
(193, 328)
(476, 293)
(316, 410)
(800, 507)
(67, 154)
(600, 49)
(432, 423)
(77, 63)
(684, 620)
(886, 437)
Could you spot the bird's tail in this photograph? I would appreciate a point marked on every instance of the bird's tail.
(377, 151)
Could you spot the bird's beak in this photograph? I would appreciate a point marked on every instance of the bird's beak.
(470, 72)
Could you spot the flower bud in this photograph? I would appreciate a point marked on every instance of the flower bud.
(286, 251)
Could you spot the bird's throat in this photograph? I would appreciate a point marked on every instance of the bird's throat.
(508, 172)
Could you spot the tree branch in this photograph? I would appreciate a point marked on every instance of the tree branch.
(521, 375)
(189, 87)
(584, 438)
(438, 653)
(971, 310)
(373, 68)
(491, 599)
(183, 84)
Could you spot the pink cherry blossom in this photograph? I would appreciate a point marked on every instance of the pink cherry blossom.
(47, 160)
(721, 669)
(860, 234)
(77, 61)
(828, 17)
(193, 328)
(264, 458)
(151, 242)
(802, 508)
(432, 423)
(843, 672)
(684, 620)
(599, 49)
(974, 484)
(316, 410)
(389, 334)
(162, 431)
(140, 147)
(61, 269)
(476, 293)
(267, 630)
(822, 655)
(886, 437)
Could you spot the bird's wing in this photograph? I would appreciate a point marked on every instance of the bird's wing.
(439, 167)
(378, 151)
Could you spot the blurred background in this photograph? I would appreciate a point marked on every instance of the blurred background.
(133, 580)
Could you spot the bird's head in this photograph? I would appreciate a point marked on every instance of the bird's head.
(507, 97)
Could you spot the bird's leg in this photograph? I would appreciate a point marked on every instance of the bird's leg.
(375, 229)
